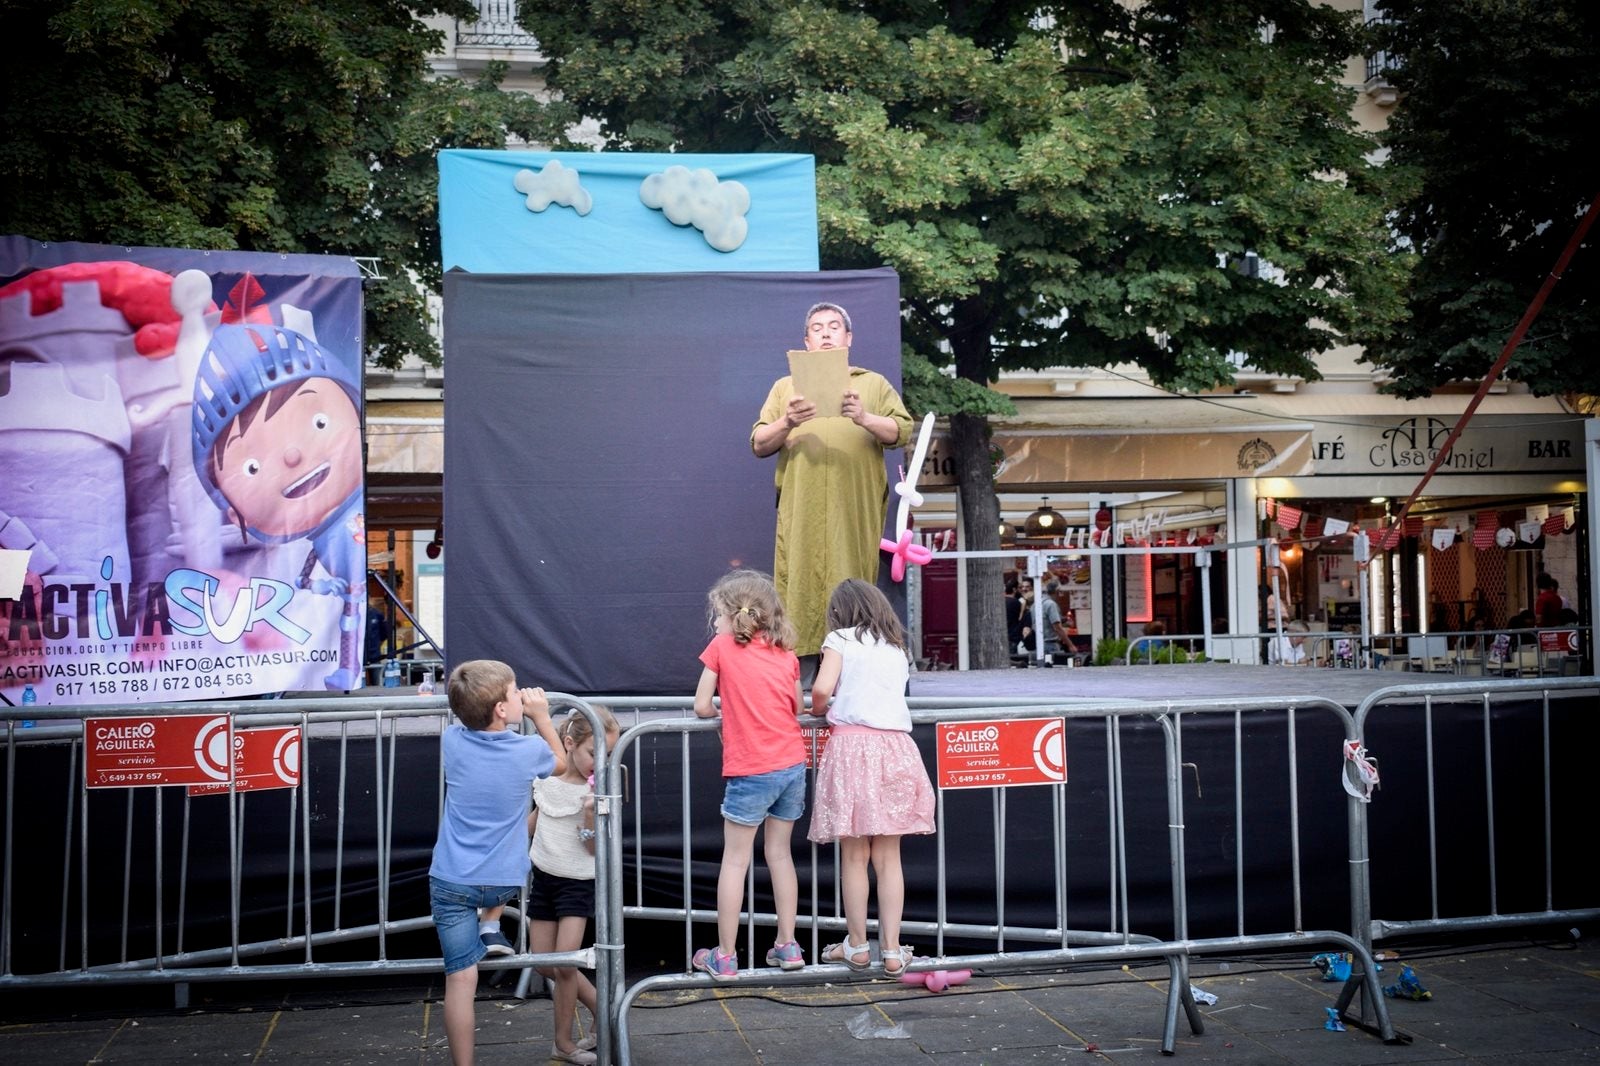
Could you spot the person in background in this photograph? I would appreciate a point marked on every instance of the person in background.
(832, 489)
(751, 663)
(1523, 620)
(1149, 645)
(1481, 607)
(1547, 605)
(872, 787)
(1057, 635)
(481, 856)
(1289, 649)
(1017, 627)
(1476, 644)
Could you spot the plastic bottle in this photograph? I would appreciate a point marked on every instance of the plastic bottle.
(426, 687)
(391, 673)
(29, 698)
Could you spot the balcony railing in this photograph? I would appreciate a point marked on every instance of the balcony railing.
(1378, 63)
(496, 28)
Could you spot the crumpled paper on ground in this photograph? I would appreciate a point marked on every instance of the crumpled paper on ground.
(1335, 965)
(866, 1026)
(1408, 987)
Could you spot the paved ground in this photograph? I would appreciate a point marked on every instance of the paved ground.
(1507, 1003)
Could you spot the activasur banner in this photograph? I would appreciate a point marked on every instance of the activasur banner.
(180, 433)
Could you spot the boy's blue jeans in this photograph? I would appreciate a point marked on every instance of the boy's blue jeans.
(455, 915)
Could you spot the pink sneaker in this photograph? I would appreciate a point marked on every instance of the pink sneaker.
(721, 967)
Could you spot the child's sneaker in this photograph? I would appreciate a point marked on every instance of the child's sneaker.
(721, 967)
(786, 956)
(495, 943)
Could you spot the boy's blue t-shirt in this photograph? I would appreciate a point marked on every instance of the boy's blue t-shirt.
(488, 777)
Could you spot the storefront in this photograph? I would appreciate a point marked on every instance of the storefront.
(1310, 470)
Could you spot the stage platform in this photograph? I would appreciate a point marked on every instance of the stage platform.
(1170, 682)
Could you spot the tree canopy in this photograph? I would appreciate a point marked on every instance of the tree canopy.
(248, 124)
(1057, 184)
(1498, 100)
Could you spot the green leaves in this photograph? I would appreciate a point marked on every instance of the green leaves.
(247, 124)
(1492, 139)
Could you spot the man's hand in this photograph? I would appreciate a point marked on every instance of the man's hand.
(852, 407)
(800, 411)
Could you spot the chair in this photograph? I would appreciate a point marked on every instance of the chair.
(1428, 653)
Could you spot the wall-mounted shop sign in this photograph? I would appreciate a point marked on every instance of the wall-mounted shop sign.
(1044, 457)
(1490, 444)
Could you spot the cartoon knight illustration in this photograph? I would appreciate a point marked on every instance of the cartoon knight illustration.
(277, 446)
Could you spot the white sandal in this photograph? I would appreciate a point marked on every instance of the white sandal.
(902, 955)
(847, 953)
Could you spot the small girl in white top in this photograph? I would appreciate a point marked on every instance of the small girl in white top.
(872, 787)
(561, 895)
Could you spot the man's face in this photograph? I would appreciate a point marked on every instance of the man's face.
(824, 330)
(289, 470)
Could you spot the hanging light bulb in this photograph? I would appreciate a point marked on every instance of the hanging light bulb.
(1044, 522)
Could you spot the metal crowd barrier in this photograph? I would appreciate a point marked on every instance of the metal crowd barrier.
(1491, 811)
(1493, 653)
(1162, 799)
(133, 917)
(1142, 749)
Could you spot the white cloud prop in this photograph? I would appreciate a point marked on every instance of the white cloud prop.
(695, 197)
(555, 184)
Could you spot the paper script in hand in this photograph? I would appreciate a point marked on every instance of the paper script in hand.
(822, 377)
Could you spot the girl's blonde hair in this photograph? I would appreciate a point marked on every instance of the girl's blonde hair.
(862, 607)
(750, 601)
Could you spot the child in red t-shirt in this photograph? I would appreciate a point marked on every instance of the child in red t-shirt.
(751, 663)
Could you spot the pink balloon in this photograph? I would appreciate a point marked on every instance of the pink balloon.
(937, 980)
(905, 552)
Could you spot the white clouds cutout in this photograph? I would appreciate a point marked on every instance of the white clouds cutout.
(695, 197)
(555, 184)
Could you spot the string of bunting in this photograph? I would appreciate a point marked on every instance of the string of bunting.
(1540, 520)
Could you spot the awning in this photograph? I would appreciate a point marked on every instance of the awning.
(1054, 441)
(400, 445)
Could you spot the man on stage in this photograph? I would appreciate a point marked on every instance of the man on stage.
(832, 491)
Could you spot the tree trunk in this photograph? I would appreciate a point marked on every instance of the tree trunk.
(980, 513)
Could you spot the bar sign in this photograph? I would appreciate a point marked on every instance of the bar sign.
(1002, 752)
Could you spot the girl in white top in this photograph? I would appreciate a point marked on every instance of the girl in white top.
(561, 894)
(872, 787)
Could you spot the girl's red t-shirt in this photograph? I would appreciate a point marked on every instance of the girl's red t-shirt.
(757, 684)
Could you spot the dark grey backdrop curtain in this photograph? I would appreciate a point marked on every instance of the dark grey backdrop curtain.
(598, 475)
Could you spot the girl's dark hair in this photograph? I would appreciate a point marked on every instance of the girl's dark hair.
(750, 600)
(859, 606)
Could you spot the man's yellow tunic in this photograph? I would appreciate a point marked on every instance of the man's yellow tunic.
(832, 500)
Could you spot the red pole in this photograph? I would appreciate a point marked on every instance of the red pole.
(1505, 356)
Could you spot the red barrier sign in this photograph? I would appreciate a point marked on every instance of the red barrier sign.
(262, 758)
(1559, 641)
(136, 752)
(1002, 752)
(816, 741)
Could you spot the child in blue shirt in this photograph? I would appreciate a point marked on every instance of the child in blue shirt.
(481, 858)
